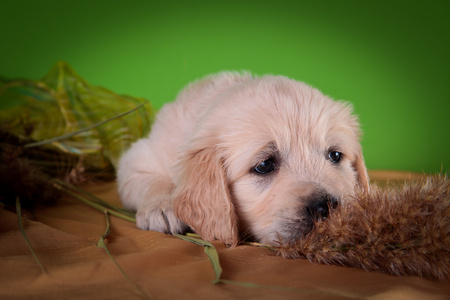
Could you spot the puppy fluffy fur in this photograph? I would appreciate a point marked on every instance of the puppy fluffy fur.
(200, 166)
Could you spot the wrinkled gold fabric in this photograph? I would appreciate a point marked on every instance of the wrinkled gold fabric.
(65, 238)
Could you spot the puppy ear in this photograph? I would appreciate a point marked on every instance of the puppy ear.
(202, 198)
(360, 168)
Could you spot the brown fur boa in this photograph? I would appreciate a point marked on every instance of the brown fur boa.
(400, 230)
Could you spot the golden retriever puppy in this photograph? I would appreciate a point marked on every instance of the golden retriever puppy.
(237, 157)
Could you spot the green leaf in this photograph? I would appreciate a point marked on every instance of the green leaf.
(213, 256)
(210, 251)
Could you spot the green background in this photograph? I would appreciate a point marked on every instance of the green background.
(391, 59)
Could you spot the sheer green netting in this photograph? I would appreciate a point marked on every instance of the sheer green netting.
(63, 102)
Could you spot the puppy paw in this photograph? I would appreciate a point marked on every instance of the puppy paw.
(159, 217)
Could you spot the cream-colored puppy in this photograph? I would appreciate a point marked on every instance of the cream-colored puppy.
(239, 157)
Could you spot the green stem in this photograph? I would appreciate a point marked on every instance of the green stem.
(101, 243)
(19, 216)
(95, 205)
(70, 134)
(94, 198)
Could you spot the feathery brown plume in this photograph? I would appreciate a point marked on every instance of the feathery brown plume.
(400, 230)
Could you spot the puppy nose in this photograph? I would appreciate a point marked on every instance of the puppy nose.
(319, 208)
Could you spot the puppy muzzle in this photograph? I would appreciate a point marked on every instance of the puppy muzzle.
(298, 225)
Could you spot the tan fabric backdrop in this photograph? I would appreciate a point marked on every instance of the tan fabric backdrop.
(65, 239)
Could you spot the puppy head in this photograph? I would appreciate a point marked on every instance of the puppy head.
(269, 157)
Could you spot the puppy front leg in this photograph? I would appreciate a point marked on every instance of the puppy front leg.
(145, 188)
(156, 211)
(151, 196)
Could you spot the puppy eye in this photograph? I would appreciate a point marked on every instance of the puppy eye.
(335, 156)
(265, 167)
